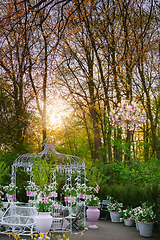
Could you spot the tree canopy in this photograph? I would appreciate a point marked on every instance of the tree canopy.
(93, 55)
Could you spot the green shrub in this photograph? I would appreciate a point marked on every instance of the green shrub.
(133, 196)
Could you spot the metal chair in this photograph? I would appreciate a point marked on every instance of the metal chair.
(76, 221)
(104, 210)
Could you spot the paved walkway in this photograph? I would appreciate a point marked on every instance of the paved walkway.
(106, 231)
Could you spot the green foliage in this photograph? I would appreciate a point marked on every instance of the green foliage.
(134, 196)
(6, 160)
(42, 172)
(3, 171)
(21, 181)
(137, 172)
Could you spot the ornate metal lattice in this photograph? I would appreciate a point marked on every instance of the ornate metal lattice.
(64, 219)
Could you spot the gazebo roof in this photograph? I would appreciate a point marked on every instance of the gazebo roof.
(62, 160)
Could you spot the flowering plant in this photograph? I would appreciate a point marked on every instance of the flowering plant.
(81, 188)
(45, 204)
(96, 189)
(50, 188)
(115, 207)
(35, 236)
(94, 201)
(66, 190)
(10, 189)
(88, 190)
(1, 203)
(32, 187)
(136, 212)
(109, 198)
(145, 214)
(128, 214)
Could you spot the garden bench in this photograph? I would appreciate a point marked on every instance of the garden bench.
(19, 220)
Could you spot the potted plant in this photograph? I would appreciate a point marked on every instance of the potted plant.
(44, 206)
(73, 194)
(10, 190)
(93, 212)
(89, 192)
(145, 218)
(51, 189)
(115, 210)
(81, 188)
(136, 215)
(31, 189)
(66, 190)
(128, 217)
(42, 173)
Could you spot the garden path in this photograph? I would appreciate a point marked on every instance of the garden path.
(106, 231)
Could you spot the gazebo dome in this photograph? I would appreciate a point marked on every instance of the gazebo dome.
(62, 161)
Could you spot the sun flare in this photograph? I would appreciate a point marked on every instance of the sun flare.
(57, 112)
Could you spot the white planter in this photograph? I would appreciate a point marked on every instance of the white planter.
(31, 194)
(73, 199)
(146, 229)
(43, 222)
(11, 197)
(88, 197)
(128, 223)
(53, 194)
(115, 216)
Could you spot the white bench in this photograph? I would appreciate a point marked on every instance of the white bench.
(18, 219)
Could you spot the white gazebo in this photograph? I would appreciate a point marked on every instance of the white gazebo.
(64, 218)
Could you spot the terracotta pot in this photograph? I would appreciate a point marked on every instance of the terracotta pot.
(93, 214)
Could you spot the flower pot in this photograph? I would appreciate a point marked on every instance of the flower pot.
(68, 199)
(43, 222)
(53, 194)
(146, 229)
(93, 214)
(88, 196)
(115, 216)
(128, 222)
(32, 194)
(11, 196)
(137, 225)
(73, 199)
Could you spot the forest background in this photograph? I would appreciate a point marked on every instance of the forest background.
(65, 66)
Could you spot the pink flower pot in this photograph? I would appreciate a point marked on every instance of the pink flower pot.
(93, 214)
(11, 196)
